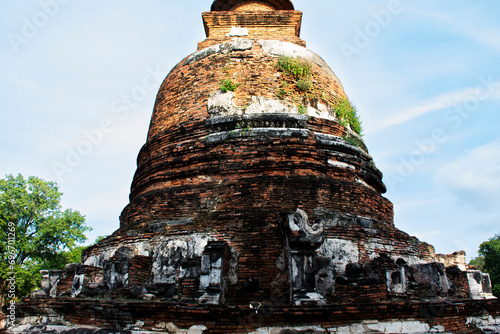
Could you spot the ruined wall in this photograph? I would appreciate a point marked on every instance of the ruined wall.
(455, 259)
(232, 166)
(402, 317)
(258, 257)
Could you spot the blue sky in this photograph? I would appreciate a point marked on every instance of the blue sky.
(81, 76)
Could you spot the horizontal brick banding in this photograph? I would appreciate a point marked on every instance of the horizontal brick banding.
(197, 165)
(278, 25)
(222, 319)
(269, 192)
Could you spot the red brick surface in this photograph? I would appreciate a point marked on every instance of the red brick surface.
(243, 319)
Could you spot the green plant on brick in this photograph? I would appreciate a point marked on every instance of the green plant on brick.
(280, 94)
(352, 140)
(302, 109)
(304, 85)
(297, 79)
(295, 67)
(227, 85)
(347, 114)
(243, 128)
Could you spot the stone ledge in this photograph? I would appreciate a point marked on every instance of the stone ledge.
(341, 145)
(452, 317)
(257, 121)
(263, 133)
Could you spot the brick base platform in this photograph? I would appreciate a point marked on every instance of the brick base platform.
(397, 317)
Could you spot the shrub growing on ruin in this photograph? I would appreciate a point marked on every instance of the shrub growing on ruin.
(227, 85)
(304, 85)
(298, 68)
(347, 114)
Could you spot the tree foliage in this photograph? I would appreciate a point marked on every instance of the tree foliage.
(35, 233)
(477, 263)
(490, 251)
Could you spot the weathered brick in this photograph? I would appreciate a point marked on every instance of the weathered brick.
(217, 186)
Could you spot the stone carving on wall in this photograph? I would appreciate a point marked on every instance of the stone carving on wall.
(50, 280)
(78, 281)
(308, 271)
(116, 269)
(213, 272)
(303, 232)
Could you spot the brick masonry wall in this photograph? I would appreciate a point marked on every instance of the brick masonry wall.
(183, 96)
(140, 270)
(193, 172)
(259, 241)
(65, 285)
(117, 314)
(273, 25)
(349, 294)
(177, 155)
(242, 188)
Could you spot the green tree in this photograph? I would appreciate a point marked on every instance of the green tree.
(35, 233)
(477, 262)
(490, 251)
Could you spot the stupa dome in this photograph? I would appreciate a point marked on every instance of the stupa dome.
(197, 131)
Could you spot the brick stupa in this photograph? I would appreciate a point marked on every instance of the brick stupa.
(256, 208)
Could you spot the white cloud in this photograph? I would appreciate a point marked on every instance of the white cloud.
(485, 91)
(27, 84)
(479, 30)
(475, 177)
(440, 102)
(487, 36)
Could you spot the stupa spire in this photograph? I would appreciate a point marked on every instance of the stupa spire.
(252, 19)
